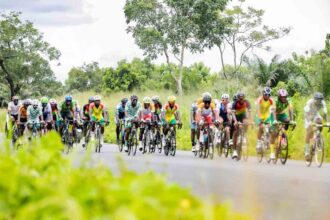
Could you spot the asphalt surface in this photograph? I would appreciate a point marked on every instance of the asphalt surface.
(265, 191)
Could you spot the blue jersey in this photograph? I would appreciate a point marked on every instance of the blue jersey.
(223, 112)
(120, 111)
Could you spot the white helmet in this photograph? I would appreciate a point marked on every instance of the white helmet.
(97, 98)
(35, 102)
(225, 96)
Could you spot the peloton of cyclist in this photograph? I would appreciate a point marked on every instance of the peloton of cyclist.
(120, 115)
(312, 115)
(132, 109)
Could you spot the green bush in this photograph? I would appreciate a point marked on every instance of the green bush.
(39, 182)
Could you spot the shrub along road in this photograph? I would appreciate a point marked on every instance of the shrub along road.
(266, 191)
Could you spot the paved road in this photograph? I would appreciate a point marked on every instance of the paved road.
(264, 190)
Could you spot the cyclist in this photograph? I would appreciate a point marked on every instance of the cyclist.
(265, 115)
(55, 114)
(66, 109)
(132, 109)
(157, 108)
(225, 118)
(78, 119)
(145, 116)
(193, 125)
(34, 116)
(241, 108)
(46, 112)
(22, 116)
(13, 109)
(86, 118)
(171, 116)
(312, 115)
(120, 115)
(98, 113)
(206, 114)
(283, 106)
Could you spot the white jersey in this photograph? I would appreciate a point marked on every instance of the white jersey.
(13, 109)
(312, 110)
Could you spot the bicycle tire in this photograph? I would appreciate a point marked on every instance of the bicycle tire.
(135, 143)
(319, 148)
(284, 150)
(98, 144)
(172, 144)
(245, 149)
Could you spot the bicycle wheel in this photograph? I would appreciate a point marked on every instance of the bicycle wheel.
(159, 142)
(319, 151)
(134, 143)
(121, 141)
(98, 141)
(267, 152)
(284, 149)
(245, 149)
(311, 154)
(173, 145)
(144, 143)
(239, 147)
(260, 155)
(6, 130)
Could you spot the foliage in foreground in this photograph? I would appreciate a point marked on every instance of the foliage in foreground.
(40, 182)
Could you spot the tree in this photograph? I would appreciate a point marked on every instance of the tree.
(169, 28)
(244, 33)
(84, 78)
(24, 55)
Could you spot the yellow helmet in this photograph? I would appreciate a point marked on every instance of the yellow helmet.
(171, 99)
(146, 100)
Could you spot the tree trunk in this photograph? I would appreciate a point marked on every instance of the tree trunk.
(13, 89)
(222, 62)
(179, 80)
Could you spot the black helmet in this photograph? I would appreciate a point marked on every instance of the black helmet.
(134, 97)
(318, 96)
(240, 94)
(207, 97)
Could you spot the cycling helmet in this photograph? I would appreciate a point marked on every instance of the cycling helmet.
(134, 97)
(91, 99)
(35, 102)
(318, 96)
(146, 100)
(68, 98)
(207, 97)
(44, 100)
(26, 102)
(240, 95)
(282, 93)
(97, 98)
(124, 100)
(225, 96)
(155, 99)
(52, 102)
(267, 91)
(15, 97)
(171, 99)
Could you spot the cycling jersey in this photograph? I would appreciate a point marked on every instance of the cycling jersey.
(156, 108)
(96, 112)
(47, 112)
(146, 114)
(241, 108)
(132, 112)
(281, 107)
(312, 110)
(223, 112)
(207, 114)
(265, 106)
(120, 111)
(170, 113)
(64, 108)
(23, 112)
(34, 114)
(13, 109)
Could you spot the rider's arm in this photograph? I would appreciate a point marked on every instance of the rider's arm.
(325, 112)
(106, 114)
(291, 114)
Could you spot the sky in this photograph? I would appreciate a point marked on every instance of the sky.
(95, 30)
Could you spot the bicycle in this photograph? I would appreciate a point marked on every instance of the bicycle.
(206, 142)
(147, 139)
(157, 137)
(121, 135)
(265, 148)
(242, 145)
(317, 148)
(67, 135)
(132, 139)
(282, 143)
(87, 127)
(170, 145)
(221, 142)
(98, 135)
